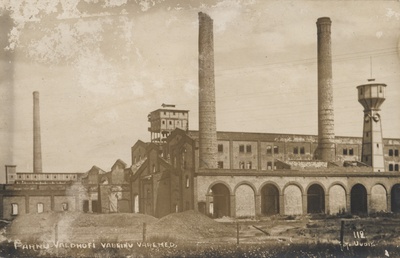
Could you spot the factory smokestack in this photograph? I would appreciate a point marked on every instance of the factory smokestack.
(37, 149)
(207, 117)
(326, 134)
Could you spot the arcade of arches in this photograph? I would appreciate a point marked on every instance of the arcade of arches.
(244, 200)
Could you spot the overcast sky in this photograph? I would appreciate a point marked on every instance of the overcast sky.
(102, 66)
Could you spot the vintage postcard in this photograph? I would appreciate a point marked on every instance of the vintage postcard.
(199, 128)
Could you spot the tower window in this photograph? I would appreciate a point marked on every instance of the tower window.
(390, 167)
(295, 150)
(187, 182)
(302, 151)
(396, 167)
(269, 150)
(351, 152)
(390, 152)
(248, 148)
(344, 151)
(220, 148)
(276, 149)
(220, 164)
(396, 153)
(241, 148)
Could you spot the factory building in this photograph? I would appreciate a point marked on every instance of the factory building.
(235, 174)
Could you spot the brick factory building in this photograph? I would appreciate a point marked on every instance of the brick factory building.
(235, 174)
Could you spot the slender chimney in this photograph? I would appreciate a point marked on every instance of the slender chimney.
(326, 133)
(37, 149)
(207, 118)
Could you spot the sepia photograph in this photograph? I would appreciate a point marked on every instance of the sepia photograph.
(199, 128)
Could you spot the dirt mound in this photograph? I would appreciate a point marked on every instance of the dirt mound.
(112, 220)
(189, 225)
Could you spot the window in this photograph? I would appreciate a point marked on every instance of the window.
(220, 148)
(269, 150)
(361, 91)
(390, 167)
(390, 152)
(248, 148)
(241, 165)
(187, 182)
(184, 164)
(64, 206)
(249, 165)
(396, 153)
(351, 152)
(241, 148)
(344, 151)
(396, 167)
(220, 164)
(276, 149)
(367, 134)
(295, 150)
(269, 165)
(163, 122)
(14, 209)
(154, 168)
(302, 151)
(170, 122)
(40, 207)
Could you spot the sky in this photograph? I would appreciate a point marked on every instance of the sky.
(102, 66)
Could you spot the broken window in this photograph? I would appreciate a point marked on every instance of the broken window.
(241, 165)
(269, 150)
(269, 165)
(249, 165)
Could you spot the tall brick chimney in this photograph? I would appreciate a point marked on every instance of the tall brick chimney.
(37, 149)
(207, 117)
(326, 133)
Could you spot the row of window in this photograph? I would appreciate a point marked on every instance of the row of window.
(247, 148)
(393, 167)
(349, 151)
(40, 208)
(27, 176)
(393, 152)
(296, 150)
(248, 165)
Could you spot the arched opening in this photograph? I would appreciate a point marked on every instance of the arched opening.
(378, 199)
(245, 201)
(315, 199)
(358, 199)
(220, 201)
(269, 200)
(395, 198)
(337, 199)
(293, 200)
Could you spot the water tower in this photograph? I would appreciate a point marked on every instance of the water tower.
(371, 96)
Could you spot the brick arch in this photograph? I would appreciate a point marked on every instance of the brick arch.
(271, 183)
(378, 199)
(346, 190)
(366, 188)
(293, 183)
(378, 183)
(314, 183)
(219, 182)
(245, 182)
